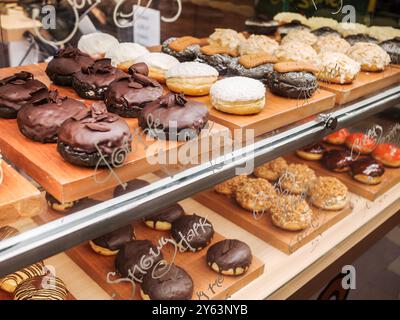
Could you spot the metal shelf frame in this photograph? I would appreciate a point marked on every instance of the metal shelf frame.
(71, 230)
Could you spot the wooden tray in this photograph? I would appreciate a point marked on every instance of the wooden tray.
(365, 84)
(67, 182)
(278, 112)
(371, 192)
(18, 197)
(261, 225)
(207, 283)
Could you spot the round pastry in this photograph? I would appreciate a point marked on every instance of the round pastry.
(285, 28)
(92, 83)
(238, 95)
(97, 44)
(124, 54)
(367, 170)
(227, 38)
(337, 160)
(338, 137)
(229, 257)
(54, 204)
(19, 90)
(258, 44)
(255, 195)
(392, 47)
(328, 193)
(192, 232)
(325, 31)
(316, 23)
(355, 38)
(388, 154)
(159, 63)
(297, 179)
(163, 219)
(94, 138)
(303, 36)
(65, 63)
(10, 282)
(336, 67)
(129, 95)
(110, 243)
(331, 44)
(172, 117)
(130, 186)
(192, 78)
(256, 66)
(349, 28)
(271, 170)
(296, 51)
(291, 212)
(46, 287)
(137, 258)
(294, 80)
(287, 17)
(370, 56)
(173, 284)
(312, 152)
(184, 49)
(41, 122)
(230, 186)
(218, 58)
(360, 142)
(7, 232)
(383, 33)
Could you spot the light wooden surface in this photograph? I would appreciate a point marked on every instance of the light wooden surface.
(261, 224)
(278, 112)
(18, 197)
(365, 84)
(390, 178)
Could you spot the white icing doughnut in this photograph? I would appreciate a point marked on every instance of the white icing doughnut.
(304, 36)
(348, 28)
(319, 22)
(296, 51)
(258, 44)
(383, 33)
(287, 17)
(158, 60)
(371, 56)
(331, 43)
(125, 52)
(97, 44)
(237, 89)
(336, 67)
(192, 70)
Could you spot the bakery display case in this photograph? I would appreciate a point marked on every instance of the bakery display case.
(252, 163)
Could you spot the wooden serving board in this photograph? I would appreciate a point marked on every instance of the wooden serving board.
(261, 225)
(278, 112)
(67, 182)
(365, 84)
(207, 283)
(390, 178)
(18, 197)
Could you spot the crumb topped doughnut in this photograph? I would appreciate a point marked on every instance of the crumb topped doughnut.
(230, 186)
(291, 212)
(297, 178)
(256, 195)
(296, 51)
(349, 28)
(97, 44)
(258, 44)
(303, 36)
(191, 78)
(383, 33)
(227, 38)
(238, 95)
(331, 43)
(336, 67)
(328, 193)
(370, 56)
(272, 169)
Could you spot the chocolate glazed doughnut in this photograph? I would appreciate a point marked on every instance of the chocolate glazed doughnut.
(367, 170)
(337, 160)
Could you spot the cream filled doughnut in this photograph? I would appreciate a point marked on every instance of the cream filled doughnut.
(238, 95)
(159, 63)
(296, 51)
(191, 78)
(370, 56)
(97, 44)
(336, 67)
(124, 54)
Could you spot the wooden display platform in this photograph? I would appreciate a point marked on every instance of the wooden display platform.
(390, 178)
(18, 197)
(365, 84)
(278, 112)
(207, 283)
(261, 225)
(67, 182)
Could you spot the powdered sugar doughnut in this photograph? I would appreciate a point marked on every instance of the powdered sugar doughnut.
(238, 95)
(192, 78)
(296, 51)
(96, 44)
(124, 54)
(159, 63)
(371, 56)
(336, 67)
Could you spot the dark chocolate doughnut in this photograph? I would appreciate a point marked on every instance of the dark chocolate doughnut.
(109, 244)
(163, 219)
(130, 186)
(337, 160)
